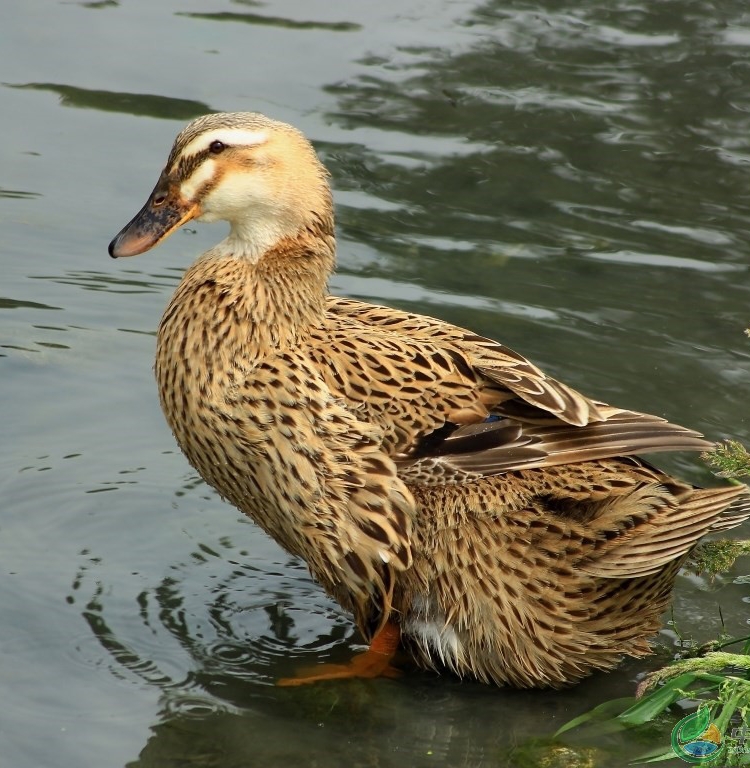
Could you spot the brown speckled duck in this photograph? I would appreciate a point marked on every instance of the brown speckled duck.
(439, 486)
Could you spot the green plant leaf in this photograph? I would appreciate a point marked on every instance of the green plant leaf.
(609, 709)
(657, 701)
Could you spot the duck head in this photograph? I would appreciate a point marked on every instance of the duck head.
(260, 175)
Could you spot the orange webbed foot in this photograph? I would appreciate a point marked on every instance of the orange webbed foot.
(374, 662)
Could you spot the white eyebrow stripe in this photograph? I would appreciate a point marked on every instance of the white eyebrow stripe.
(229, 136)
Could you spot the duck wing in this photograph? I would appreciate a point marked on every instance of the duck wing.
(476, 356)
(459, 406)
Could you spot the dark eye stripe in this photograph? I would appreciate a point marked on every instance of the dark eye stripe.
(187, 165)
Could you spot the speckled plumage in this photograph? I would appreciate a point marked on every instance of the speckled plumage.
(428, 476)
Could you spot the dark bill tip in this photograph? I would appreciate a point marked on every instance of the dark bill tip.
(161, 215)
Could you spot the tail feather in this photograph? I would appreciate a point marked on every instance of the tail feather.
(736, 513)
(667, 537)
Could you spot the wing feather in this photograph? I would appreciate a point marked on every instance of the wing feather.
(472, 407)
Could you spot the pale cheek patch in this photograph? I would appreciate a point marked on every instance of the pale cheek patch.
(230, 136)
(203, 174)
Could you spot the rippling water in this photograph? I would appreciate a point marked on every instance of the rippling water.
(571, 180)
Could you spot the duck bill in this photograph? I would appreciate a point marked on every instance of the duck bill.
(164, 212)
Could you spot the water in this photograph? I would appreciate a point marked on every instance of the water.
(571, 180)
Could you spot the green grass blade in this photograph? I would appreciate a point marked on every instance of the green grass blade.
(609, 709)
(657, 701)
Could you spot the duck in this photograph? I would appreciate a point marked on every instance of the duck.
(467, 510)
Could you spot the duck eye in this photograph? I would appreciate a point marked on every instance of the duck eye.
(217, 147)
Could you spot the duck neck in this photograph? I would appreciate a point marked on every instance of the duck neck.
(290, 284)
(281, 293)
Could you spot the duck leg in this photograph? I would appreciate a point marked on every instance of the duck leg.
(374, 662)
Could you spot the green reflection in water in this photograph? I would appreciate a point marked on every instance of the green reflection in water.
(100, 4)
(150, 105)
(7, 303)
(18, 193)
(274, 21)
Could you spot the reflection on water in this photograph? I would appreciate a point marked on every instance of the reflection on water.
(275, 21)
(17, 193)
(95, 280)
(145, 104)
(220, 702)
(571, 179)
